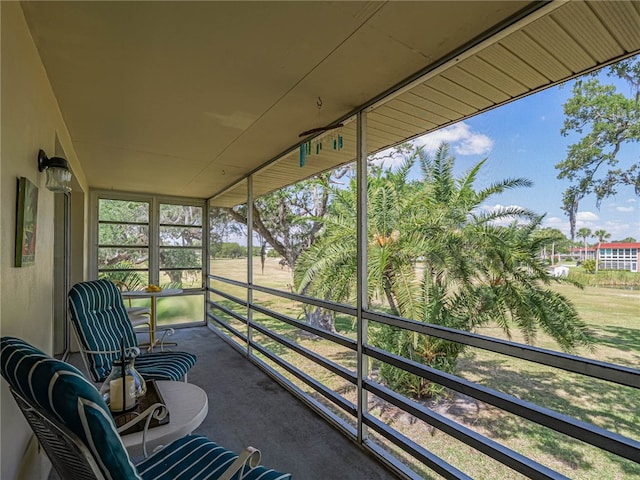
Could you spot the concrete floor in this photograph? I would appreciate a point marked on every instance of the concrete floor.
(246, 407)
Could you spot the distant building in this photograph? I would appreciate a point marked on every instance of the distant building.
(582, 253)
(618, 256)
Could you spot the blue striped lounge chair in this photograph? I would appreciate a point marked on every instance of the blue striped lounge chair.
(101, 322)
(74, 426)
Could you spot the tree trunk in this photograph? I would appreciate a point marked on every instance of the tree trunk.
(175, 276)
(259, 227)
(320, 318)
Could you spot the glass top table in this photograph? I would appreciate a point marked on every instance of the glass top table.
(165, 292)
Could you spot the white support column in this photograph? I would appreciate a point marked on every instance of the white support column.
(249, 262)
(154, 241)
(206, 264)
(362, 301)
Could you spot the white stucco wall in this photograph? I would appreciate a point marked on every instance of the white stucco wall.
(30, 120)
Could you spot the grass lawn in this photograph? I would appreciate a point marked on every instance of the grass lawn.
(614, 317)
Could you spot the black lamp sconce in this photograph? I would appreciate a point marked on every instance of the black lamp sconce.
(58, 174)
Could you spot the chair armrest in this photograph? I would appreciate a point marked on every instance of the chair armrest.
(134, 351)
(249, 455)
(157, 411)
(167, 333)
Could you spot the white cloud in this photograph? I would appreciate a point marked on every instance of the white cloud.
(561, 224)
(555, 222)
(631, 200)
(462, 139)
(624, 209)
(476, 144)
(618, 230)
(586, 217)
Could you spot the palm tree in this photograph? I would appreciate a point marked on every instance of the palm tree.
(601, 235)
(479, 265)
(584, 233)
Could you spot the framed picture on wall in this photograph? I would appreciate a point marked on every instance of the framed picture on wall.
(26, 222)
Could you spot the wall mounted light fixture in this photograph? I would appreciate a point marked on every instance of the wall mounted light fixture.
(58, 174)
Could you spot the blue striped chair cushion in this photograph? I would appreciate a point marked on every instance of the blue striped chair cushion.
(65, 394)
(195, 457)
(164, 365)
(62, 391)
(101, 321)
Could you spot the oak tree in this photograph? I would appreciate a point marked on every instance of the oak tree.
(606, 118)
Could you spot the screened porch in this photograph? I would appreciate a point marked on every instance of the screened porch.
(178, 119)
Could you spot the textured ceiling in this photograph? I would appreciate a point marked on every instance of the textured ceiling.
(187, 98)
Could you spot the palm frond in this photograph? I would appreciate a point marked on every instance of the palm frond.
(501, 186)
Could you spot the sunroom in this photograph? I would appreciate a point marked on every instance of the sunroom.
(190, 113)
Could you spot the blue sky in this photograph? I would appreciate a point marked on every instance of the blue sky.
(522, 139)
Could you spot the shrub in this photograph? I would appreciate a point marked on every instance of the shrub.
(589, 266)
(434, 352)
